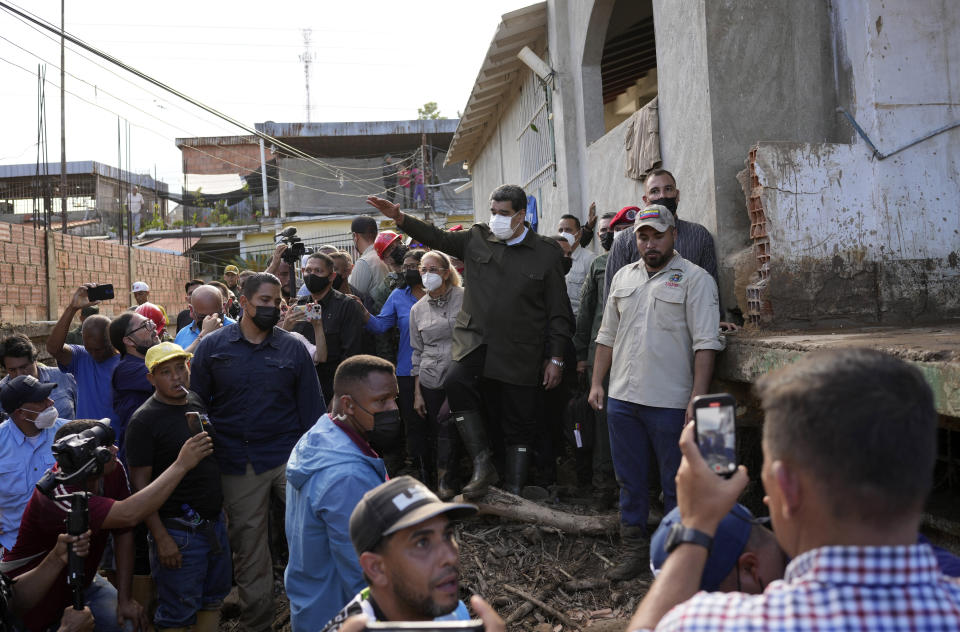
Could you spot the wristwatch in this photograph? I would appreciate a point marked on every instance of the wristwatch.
(680, 534)
(556, 363)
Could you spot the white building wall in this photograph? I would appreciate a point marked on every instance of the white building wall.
(890, 229)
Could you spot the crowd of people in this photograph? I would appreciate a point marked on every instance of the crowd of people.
(324, 413)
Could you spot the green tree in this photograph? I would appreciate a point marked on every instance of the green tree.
(429, 111)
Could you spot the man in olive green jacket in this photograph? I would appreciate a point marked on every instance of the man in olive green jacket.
(515, 307)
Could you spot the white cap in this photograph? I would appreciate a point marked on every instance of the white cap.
(140, 286)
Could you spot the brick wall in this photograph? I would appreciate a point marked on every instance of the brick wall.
(23, 273)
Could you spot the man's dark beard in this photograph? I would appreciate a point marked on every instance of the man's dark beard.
(661, 261)
(422, 604)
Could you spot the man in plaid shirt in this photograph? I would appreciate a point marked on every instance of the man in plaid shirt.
(849, 443)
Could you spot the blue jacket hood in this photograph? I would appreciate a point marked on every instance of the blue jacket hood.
(324, 446)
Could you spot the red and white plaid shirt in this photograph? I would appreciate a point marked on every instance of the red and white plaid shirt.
(836, 588)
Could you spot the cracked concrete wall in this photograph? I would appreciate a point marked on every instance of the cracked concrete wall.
(854, 239)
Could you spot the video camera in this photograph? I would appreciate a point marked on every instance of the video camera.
(79, 456)
(295, 247)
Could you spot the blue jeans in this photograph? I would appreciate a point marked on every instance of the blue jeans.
(201, 582)
(634, 430)
(101, 598)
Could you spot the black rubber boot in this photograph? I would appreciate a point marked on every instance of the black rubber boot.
(470, 425)
(447, 458)
(517, 466)
(634, 554)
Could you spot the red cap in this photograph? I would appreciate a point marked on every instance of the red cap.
(151, 311)
(626, 215)
(383, 241)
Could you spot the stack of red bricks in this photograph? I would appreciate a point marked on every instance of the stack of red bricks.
(23, 272)
(759, 309)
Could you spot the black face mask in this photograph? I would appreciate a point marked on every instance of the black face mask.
(669, 203)
(606, 240)
(398, 254)
(142, 349)
(387, 428)
(315, 283)
(337, 283)
(198, 321)
(412, 278)
(266, 317)
(566, 263)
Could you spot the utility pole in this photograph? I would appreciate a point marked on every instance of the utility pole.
(63, 122)
(307, 59)
(263, 181)
(423, 172)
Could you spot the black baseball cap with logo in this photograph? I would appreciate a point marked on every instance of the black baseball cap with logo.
(21, 390)
(397, 504)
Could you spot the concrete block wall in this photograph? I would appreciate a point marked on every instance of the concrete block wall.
(23, 273)
(166, 275)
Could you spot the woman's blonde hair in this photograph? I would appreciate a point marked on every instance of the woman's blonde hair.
(454, 278)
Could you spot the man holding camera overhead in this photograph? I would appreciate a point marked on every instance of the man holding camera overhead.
(92, 364)
(658, 340)
(111, 510)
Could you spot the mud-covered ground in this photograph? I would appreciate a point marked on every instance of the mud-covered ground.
(501, 559)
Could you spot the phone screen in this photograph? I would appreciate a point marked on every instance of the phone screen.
(716, 435)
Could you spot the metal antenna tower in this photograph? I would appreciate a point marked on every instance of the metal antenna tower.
(307, 58)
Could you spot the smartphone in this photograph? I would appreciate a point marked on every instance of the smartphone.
(100, 292)
(473, 625)
(715, 423)
(199, 422)
(314, 311)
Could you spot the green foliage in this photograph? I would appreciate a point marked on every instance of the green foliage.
(257, 263)
(155, 222)
(429, 111)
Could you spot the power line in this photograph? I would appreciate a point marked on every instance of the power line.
(177, 127)
(152, 131)
(110, 58)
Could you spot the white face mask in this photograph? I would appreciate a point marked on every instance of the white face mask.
(432, 281)
(46, 417)
(501, 227)
(570, 238)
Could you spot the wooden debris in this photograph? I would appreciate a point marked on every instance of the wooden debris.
(550, 610)
(506, 505)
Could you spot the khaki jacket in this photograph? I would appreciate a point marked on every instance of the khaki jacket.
(515, 299)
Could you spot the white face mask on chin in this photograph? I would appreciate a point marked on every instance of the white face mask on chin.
(501, 227)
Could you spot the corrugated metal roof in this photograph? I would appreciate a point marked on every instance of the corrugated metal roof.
(362, 128)
(497, 76)
(82, 167)
(206, 141)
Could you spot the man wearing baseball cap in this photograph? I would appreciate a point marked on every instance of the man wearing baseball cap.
(141, 292)
(744, 555)
(231, 278)
(404, 537)
(25, 439)
(189, 550)
(658, 341)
